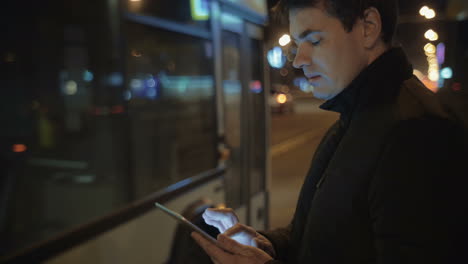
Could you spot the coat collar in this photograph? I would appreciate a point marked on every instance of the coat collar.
(376, 84)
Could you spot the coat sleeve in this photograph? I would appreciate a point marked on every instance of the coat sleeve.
(417, 199)
(280, 238)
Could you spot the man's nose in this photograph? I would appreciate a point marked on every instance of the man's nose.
(303, 57)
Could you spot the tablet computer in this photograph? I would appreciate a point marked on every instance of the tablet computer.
(184, 221)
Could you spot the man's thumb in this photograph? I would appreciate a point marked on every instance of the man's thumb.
(230, 244)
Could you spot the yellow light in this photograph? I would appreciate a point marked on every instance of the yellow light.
(434, 76)
(432, 60)
(430, 14)
(135, 0)
(281, 98)
(423, 10)
(431, 35)
(430, 48)
(284, 40)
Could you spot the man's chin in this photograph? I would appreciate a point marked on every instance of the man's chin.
(323, 96)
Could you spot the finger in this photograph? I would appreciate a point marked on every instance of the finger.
(218, 224)
(231, 245)
(256, 243)
(226, 213)
(240, 228)
(222, 219)
(216, 253)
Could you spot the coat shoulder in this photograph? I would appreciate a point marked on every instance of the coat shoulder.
(415, 101)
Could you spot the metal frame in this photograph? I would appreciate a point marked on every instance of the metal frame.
(168, 25)
(218, 65)
(58, 244)
(243, 12)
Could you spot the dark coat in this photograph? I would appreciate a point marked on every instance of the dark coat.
(387, 184)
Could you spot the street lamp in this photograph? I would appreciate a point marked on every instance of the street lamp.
(431, 35)
(423, 10)
(427, 12)
(284, 40)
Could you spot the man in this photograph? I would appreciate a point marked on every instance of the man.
(386, 184)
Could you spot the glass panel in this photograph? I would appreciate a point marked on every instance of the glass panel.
(62, 157)
(232, 114)
(171, 106)
(193, 12)
(257, 120)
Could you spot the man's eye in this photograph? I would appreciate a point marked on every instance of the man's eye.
(315, 43)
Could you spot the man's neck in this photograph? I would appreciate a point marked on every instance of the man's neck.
(377, 51)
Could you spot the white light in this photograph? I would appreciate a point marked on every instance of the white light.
(284, 40)
(431, 35)
(434, 76)
(430, 14)
(136, 84)
(446, 73)
(276, 58)
(70, 88)
(423, 10)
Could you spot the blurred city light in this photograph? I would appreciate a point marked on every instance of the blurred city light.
(136, 53)
(281, 98)
(431, 35)
(88, 76)
(115, 79)
(136, 84)
(423, 10)
(430, 14)
(70, 88)
(199, 10)
(446, 73)
(17, 148)
(135, 0)
(427, 12)
(284, 40)
(433, 76)
(256, 86)
(429, 48)
(127, 95)
(276, 58)
(440, 53)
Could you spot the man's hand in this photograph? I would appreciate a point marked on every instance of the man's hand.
(234, 253)
(227, 223)
(221, 218)
(248, 236)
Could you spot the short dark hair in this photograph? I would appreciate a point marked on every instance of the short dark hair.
(348, 11)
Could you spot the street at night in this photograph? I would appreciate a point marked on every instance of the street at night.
(294, 138)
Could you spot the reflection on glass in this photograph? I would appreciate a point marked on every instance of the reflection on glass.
(232, 114)
(193, 12)
(257, 117)
(171, 105)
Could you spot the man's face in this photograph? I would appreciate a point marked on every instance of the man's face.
(329, 56)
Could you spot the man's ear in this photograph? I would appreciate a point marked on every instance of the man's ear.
(372, 23)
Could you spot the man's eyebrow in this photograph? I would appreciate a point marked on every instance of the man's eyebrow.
(307, 32)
